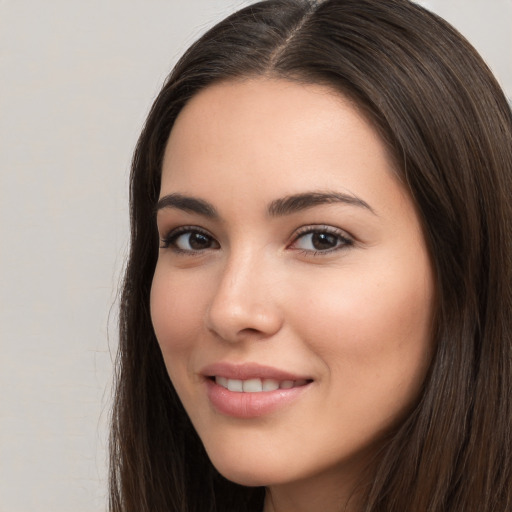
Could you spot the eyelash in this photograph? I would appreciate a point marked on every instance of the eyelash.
(169, 241)
(344, 241)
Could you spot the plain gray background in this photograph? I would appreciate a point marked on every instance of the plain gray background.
(76, 81)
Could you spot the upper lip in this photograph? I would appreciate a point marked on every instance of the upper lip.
(247, 371)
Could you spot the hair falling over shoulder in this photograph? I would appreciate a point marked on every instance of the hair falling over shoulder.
(449, 128)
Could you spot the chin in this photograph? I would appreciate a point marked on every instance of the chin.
(243, 473)
(245, 478)
(247, 472)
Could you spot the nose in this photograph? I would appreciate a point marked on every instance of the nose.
(244, 305)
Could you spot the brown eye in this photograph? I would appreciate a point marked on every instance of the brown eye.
(323, 241)
(193, 241)
(190, 241)
(318, 241)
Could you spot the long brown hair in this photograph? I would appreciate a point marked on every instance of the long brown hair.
(449, 127)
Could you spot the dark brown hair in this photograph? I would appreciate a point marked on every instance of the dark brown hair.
(449, 127)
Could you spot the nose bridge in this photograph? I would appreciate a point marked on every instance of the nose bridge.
(243, 303)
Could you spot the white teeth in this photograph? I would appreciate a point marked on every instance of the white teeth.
(235, 385)
(252, 386)
(222, 381)
(257, 385)
(270, 385)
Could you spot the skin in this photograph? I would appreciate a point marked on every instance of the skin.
(354, 314)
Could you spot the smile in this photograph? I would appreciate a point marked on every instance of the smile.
(249, 390)
(257, 385)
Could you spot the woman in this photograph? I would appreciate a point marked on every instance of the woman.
(316, 308)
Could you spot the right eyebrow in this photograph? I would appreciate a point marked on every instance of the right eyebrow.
(187, 204)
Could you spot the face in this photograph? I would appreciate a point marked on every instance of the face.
(293, 294)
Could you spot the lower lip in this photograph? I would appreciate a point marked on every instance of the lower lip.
(250, 405)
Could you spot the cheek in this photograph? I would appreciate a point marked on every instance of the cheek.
(367, 310)
(373, 333)
(176, 314)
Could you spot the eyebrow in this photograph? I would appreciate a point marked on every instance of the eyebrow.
(188, 204)
(297, 202)
(277, 208)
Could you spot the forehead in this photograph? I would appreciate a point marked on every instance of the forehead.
(295, 132)
(262, 105)
(241, 144)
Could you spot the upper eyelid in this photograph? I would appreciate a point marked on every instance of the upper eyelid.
(319, 228)
(173, 233)
(167, 233)
(309, 228)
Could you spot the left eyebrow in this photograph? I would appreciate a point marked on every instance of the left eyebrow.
(297, 202)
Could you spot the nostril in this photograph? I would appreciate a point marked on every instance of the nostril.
(250, 331)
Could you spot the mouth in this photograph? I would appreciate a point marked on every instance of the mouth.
(250, 390)
(257, 385)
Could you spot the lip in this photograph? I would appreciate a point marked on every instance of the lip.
(249, 371)
(250, 405)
